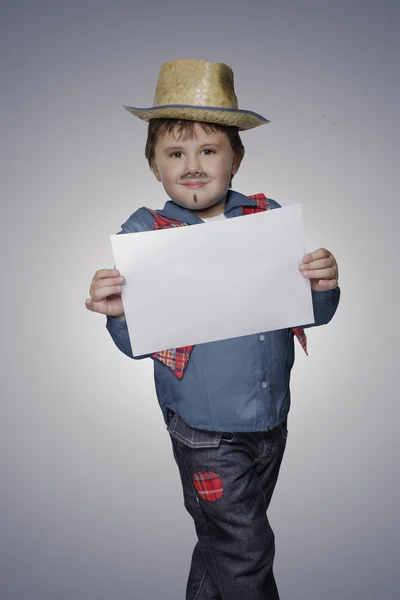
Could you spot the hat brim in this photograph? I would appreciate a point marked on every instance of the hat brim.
(243, 119)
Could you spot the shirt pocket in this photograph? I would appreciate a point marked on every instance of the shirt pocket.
(191, 437)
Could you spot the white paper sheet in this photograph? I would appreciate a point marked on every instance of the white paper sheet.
(213, 281)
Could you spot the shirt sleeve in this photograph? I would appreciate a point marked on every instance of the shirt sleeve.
(118, 330)
(324, 305)
(116, 327)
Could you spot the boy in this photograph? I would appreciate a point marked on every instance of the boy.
(225, 403)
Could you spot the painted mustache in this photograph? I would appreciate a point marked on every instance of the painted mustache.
(193, 176)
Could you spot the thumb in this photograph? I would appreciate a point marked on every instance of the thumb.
(89, 304)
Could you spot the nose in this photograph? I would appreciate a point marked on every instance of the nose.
(193, 163)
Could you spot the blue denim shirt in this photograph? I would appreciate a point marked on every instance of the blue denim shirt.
(239, 384)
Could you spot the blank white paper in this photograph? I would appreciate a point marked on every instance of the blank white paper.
(212, 281)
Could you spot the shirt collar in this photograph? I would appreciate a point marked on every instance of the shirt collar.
(234, 200)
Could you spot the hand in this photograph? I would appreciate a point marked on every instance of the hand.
(321, 268)
(105, 293)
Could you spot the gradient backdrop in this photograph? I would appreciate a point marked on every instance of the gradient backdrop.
(90, 501)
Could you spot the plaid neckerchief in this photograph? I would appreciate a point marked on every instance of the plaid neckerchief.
(177, 359)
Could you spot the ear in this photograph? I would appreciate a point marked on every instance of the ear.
(235, 165)
(156, 171)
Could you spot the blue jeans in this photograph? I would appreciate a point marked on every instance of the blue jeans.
(228, 480)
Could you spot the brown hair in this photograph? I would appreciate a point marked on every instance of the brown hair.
(185, 128)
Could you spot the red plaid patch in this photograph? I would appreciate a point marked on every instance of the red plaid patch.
(262, 204)
(208, 485)
(177, 359)
(301, 336)
(164, 222)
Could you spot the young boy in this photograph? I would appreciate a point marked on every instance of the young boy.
(225, 403)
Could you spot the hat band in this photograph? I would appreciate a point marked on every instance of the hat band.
(200, 107)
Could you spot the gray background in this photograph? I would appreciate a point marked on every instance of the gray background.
(91, 505)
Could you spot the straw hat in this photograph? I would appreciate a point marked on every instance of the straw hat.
(197, 90)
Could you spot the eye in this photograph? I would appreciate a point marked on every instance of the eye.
(208, 151)
(176, 154)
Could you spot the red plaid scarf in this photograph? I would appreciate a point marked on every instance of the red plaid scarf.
(177, 358)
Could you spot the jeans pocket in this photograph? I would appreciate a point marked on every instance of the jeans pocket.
(229, 437)
(191, 437)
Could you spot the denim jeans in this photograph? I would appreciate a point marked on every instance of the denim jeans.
(228, 480)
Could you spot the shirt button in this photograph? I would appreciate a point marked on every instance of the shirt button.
(262, 338)
(264, 384)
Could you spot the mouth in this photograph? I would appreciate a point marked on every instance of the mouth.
(194, 185)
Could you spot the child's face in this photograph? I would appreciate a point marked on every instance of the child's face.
(196, 171)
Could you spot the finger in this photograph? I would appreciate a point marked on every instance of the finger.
(90, 305)
(318, 264)
(97, 307)
(321, 273)
(100, 293)
(328, 284)
(103, 273)
(105, 283)
(320, 253)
